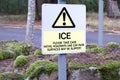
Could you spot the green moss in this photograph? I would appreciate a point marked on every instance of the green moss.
(11, 76)
(106, 65)
(14, 44)
(109, 74)
(37, 52)
(21, 48)
(110, 65)
(18, 52)
(4, 55)
(92, 45)
(1, 77)
(26, 49)
(41, 66)
(18, 48)
(92, 50)
(108, 70)
(113, 44)
(20, 61)
(99, 50)
(36, 72)
(1, 56)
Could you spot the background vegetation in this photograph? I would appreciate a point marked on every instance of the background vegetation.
(92, 5)
(21, 6)
(13, 6)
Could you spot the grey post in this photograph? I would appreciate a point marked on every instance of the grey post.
(100, 29)
(61, 1)
(62, 66)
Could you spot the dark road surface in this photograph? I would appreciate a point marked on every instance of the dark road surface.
(19, 34)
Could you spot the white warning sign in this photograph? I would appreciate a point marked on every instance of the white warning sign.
(63, 29)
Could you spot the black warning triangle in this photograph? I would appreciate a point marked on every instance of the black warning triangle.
(63, 20)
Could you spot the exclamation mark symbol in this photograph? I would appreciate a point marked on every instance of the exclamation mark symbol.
(64, 17)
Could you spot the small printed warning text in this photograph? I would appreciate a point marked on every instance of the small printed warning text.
(64, 46)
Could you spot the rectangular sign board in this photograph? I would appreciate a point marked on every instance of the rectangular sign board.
(63, 28)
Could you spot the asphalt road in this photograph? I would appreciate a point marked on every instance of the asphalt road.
(8, 33)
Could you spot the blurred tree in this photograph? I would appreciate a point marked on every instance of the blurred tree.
(34, 8)
(37, 9)
(13, 7)
(30, 22)
(112, 9)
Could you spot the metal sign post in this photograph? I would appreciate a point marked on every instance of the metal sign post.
(61, 1)
(62, 68)
(62, 65)
(100, 30)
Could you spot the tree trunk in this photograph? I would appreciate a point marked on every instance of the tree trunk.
(53, 1)
(39, 5)
(40, 9)
(112, 9)
(30, 22)
(37, 9)
(84, 2)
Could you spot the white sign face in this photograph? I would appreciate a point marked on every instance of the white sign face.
(63, 28)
